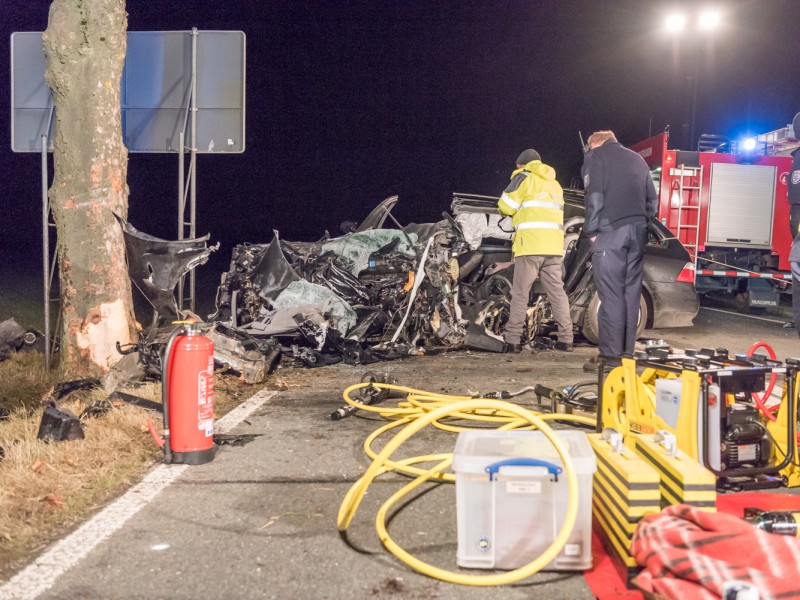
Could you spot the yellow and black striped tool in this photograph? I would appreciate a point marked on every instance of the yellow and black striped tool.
(625, 488)
(682, 479)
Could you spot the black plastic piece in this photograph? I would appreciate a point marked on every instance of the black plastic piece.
(59, 425)
(478, 339)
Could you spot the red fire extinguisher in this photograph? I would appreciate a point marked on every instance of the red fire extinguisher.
(187, 395)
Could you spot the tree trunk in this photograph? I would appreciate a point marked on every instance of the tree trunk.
(85, 44)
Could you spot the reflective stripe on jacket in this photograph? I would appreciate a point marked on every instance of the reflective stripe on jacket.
(535, 202)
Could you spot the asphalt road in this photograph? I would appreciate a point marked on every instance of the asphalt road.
(260, 520)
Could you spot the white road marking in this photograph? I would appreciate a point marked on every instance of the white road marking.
(40, 575)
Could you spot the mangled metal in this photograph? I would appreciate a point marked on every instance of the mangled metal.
(59, 425)
(368, 295)
(155, 267)
(252, 358)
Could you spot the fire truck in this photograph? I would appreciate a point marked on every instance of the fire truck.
(727, 203)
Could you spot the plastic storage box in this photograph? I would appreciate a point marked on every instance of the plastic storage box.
(511, 516)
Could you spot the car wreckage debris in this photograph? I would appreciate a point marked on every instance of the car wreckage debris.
(230, 439)
(252, 358)
(59, 424)
(367, 296)
(15, 338)
(370, 295)
(156, 267)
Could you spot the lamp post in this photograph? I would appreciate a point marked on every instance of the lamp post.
(705, 22)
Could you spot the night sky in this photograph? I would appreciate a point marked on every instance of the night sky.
(350, 102)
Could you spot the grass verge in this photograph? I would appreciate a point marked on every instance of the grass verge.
(48, 488)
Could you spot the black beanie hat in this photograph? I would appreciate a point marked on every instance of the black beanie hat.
(527, 156)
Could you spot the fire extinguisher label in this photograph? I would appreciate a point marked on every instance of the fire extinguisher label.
(205, 400)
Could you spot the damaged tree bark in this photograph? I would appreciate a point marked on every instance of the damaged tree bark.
(85, 44)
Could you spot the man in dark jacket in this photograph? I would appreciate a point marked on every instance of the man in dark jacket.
(793, 183)
(620, 198)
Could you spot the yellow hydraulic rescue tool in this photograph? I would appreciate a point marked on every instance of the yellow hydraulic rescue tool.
(783, 432)
(668, 433)
(624, 489)
(628, 404)
(713, 419)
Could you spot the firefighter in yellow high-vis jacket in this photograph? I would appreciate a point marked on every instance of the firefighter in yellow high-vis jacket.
(535, 202)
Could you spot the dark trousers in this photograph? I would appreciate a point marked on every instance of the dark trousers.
(794, 218)
(617, 265)
(549, 270)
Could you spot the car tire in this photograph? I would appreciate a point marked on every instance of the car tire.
(591, 329)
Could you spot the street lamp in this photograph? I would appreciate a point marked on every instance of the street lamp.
(706, 22)
(675, 23)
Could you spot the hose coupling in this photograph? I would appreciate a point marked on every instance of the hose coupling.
(499, 395)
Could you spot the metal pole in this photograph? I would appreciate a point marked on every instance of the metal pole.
(181, 206)
(181, 185)
(692, 143)
(46, 256)
(193, 181)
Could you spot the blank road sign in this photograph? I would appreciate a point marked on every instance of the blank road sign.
(31, 101)
(155, 92)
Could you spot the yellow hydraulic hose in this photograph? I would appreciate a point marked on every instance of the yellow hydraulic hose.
(424, 402)
(421, 409)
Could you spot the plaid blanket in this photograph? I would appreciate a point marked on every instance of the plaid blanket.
(690, 553)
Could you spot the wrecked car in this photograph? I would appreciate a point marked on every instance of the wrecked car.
(371, 294)
(380, 292)
(376, 293)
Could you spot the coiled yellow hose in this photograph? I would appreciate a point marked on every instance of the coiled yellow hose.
(421, 409)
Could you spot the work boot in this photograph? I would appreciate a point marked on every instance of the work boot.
(514, 348)
(563, 346)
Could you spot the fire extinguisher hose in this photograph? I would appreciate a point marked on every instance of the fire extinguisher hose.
(421, 409)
